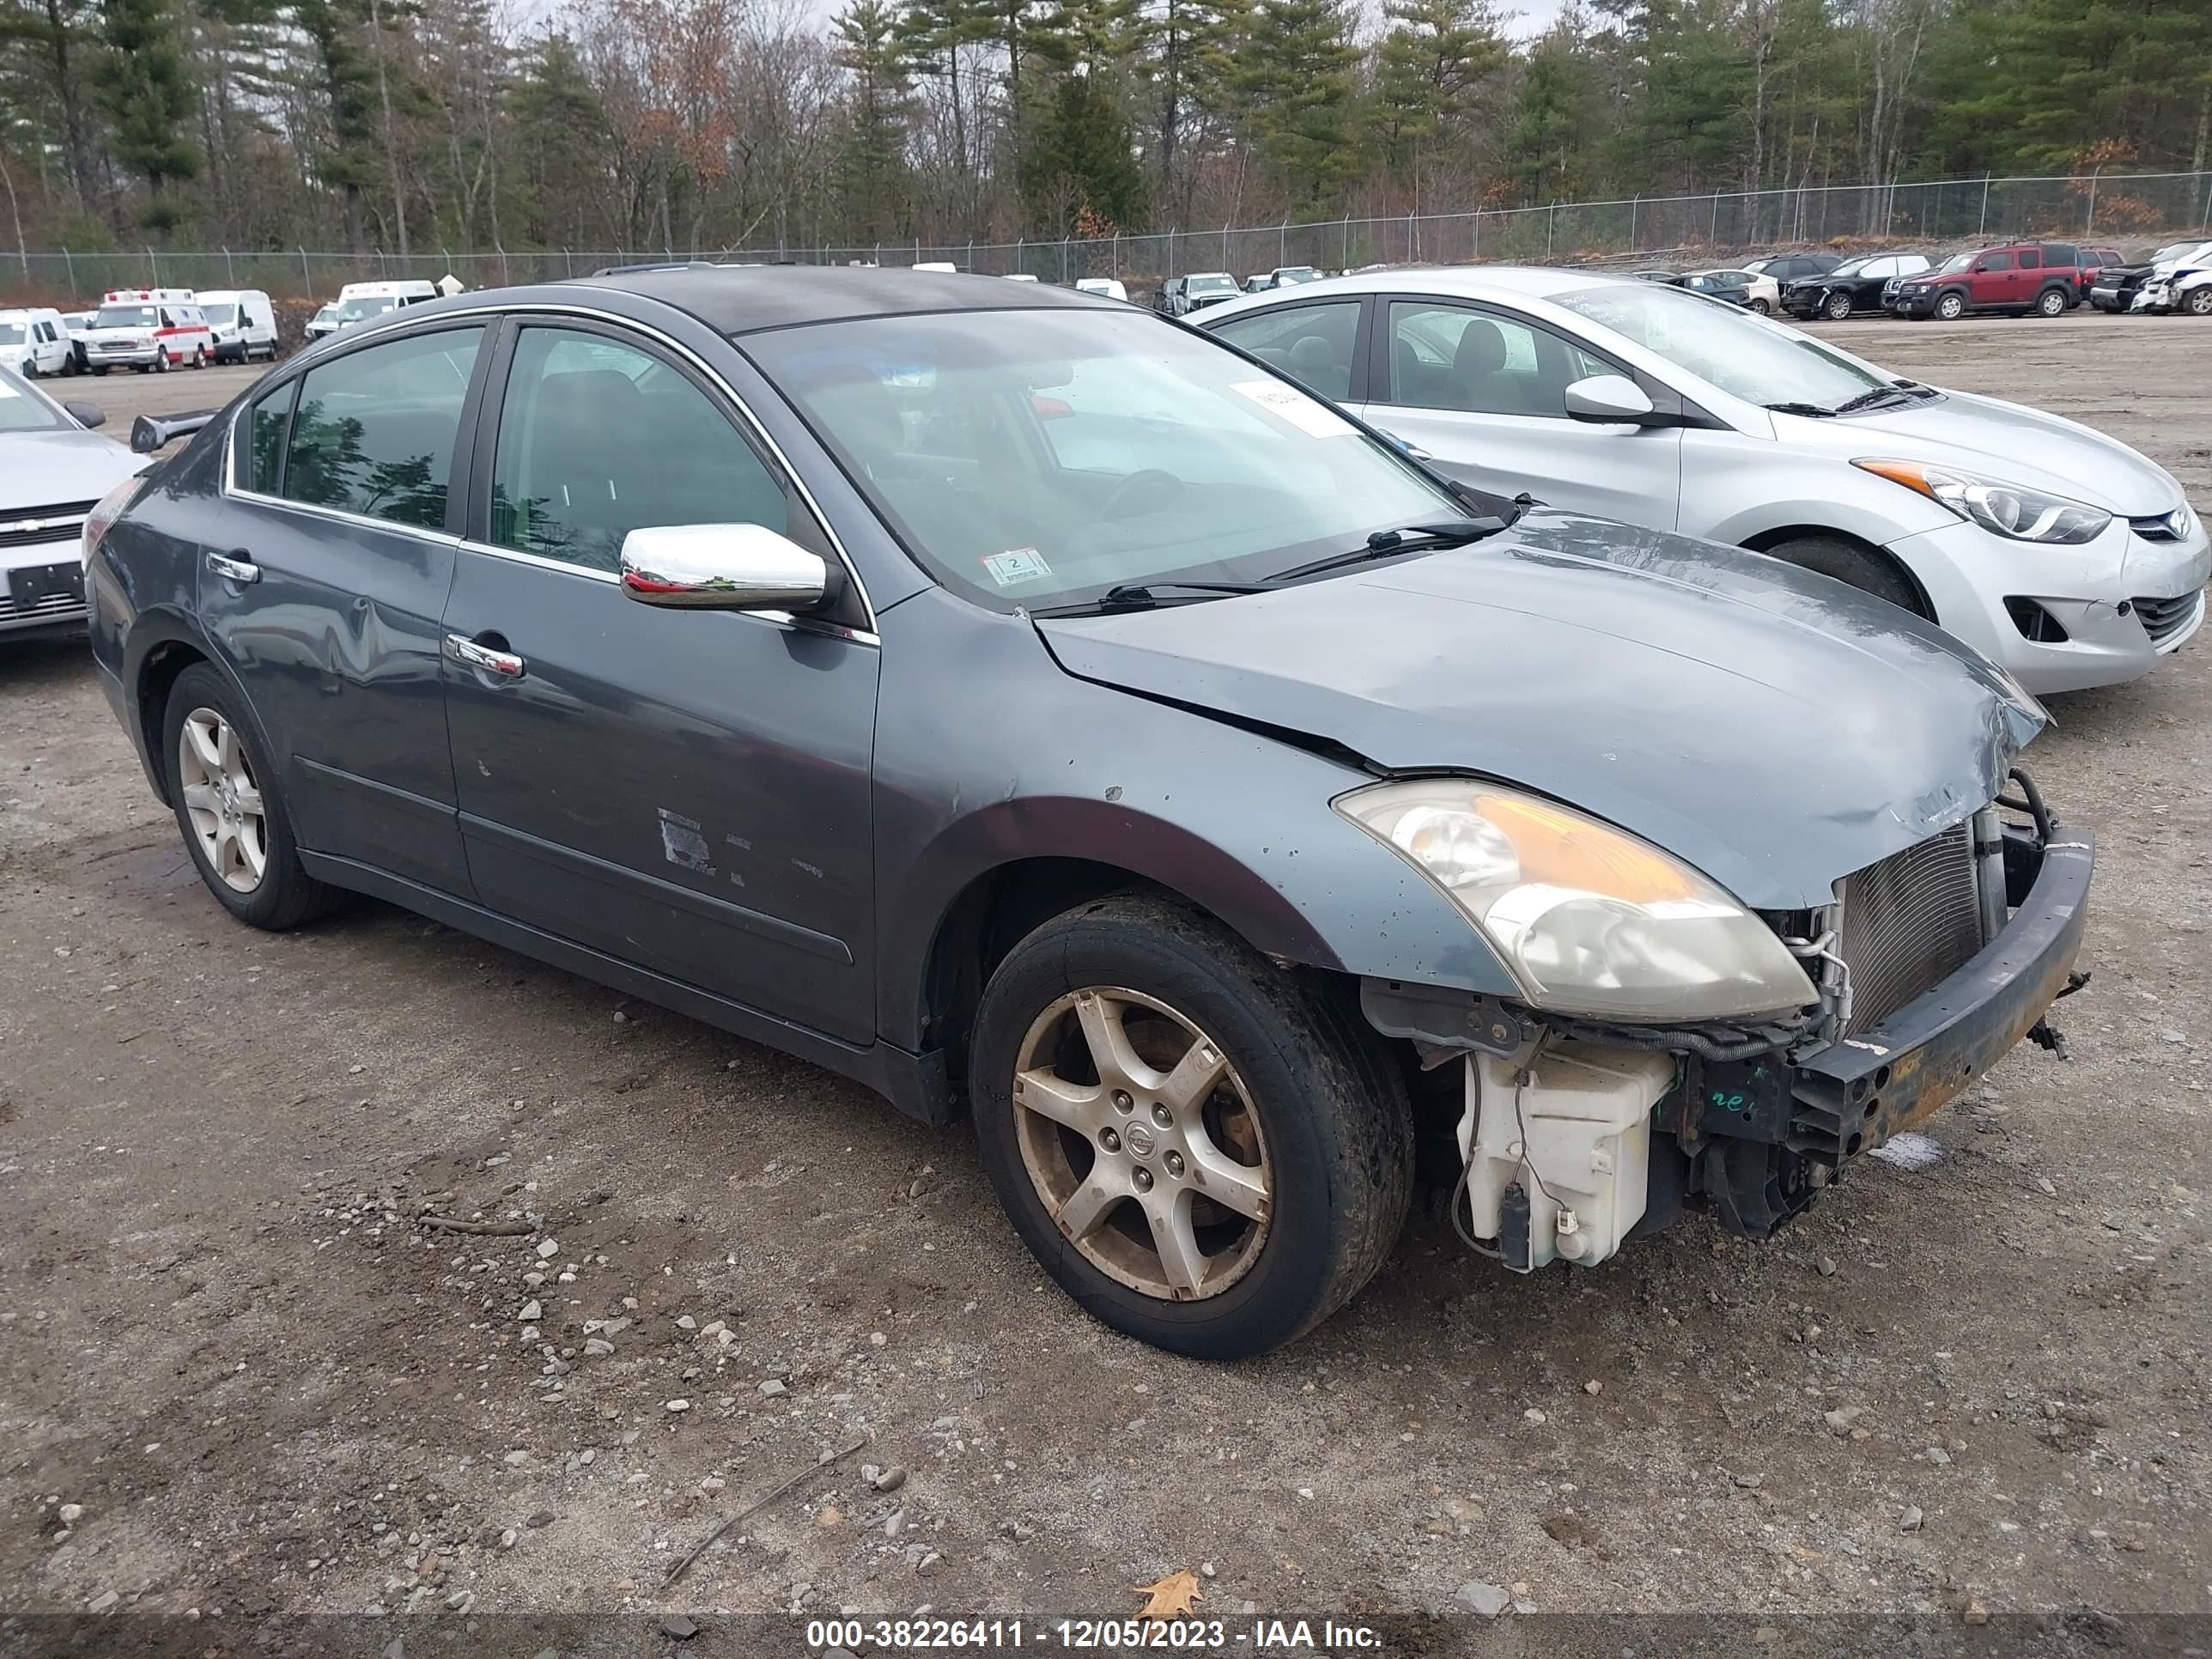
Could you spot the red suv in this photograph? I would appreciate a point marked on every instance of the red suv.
(2042, 277)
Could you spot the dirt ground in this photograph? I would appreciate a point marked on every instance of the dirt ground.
(258, 1384)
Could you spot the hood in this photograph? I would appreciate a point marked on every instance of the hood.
(1775, 729)
(44, 469)
(2006, 440)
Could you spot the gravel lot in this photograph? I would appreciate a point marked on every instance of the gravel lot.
(256, 1384)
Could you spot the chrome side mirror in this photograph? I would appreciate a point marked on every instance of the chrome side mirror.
(722, 567)
(1608, 400)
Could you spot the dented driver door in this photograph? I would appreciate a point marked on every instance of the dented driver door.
(687, 791)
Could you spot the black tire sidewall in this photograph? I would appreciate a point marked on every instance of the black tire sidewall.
(1298, 1074)
(287, 895)
(2044, 308)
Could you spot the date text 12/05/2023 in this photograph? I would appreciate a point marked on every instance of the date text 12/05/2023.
(1079, 1635)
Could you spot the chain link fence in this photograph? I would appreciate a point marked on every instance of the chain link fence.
(2132, 208)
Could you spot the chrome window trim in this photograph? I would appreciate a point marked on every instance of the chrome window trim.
(766, 440)
(337, 514)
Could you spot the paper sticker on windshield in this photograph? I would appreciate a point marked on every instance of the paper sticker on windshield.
(1017, 564)
(1315, 420)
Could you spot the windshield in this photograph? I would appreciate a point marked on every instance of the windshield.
(1852, 267)
(1039, 457)
(2188, 254)
(220, 316)
(124, 317)
(1743, 354)
(358, 311)
(22, 409)
(1209, 284)
(1959, 262)
(11, 334)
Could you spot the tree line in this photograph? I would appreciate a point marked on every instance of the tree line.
(408, 126)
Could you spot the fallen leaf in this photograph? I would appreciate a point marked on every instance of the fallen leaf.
(1171, 1597)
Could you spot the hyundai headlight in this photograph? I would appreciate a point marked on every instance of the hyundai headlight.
(1589, 918)
(2011, 510)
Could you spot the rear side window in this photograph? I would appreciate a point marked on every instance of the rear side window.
(375, 430)
(261, 457)
(1312, 344)
(2030, 259)
(2060, 253)
(598, 438)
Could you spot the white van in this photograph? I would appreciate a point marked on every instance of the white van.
(35, 341)
(156, 329)
(243, 322)
(358, 302)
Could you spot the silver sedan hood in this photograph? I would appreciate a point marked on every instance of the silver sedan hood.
(45, 468)
(2004, 440)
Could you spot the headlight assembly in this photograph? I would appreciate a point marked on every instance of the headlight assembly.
(1590, 919)
(2010, 510)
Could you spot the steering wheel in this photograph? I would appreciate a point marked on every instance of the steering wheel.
(1123, 495)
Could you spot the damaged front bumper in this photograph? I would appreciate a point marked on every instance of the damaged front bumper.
(1575, 1140)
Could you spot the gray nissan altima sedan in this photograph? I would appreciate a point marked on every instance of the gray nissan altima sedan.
(1038, 710)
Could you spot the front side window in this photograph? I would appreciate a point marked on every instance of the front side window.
(1312, 344)
(1450, 356)
(22, 409)
(1996, 262)
(375, 430)
(1043, 456)
(598, 438)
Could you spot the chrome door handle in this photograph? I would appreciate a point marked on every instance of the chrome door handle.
(234, 570)
(465, 650)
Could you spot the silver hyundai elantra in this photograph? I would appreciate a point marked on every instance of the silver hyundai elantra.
(2056, 552)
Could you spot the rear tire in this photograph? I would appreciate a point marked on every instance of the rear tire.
(1765, 308)
(2052, 302)
(1849, 563)
(1300, 1122)
(230, 809)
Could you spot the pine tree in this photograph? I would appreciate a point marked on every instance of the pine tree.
(1294, 78)
(561, 137)
(147, 92)
(871, 169)
(1430, 69)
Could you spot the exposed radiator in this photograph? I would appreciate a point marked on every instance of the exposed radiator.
(1909, 921)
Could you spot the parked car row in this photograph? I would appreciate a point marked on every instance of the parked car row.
(1195, 753)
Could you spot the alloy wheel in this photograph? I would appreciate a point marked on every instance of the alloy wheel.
(2198, 302)
(1949, 307)
(223, 799)
(1143, 1143)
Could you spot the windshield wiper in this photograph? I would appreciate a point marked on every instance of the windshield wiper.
(1819, 410)
(1386, 544)
(1143, 596)
(1880, 394)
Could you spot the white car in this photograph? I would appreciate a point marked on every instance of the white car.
(1111, 287)
(2181, 282)
(2058, 553)
(35, 341)
(324, 322)
(53, 470)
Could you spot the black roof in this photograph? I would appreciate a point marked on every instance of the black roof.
(747, 299)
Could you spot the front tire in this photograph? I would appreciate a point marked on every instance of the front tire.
(1208, 1154)
(2197, 302)
(1837, 307)
(230, 810)
(1951, 308)
(1849, 563)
